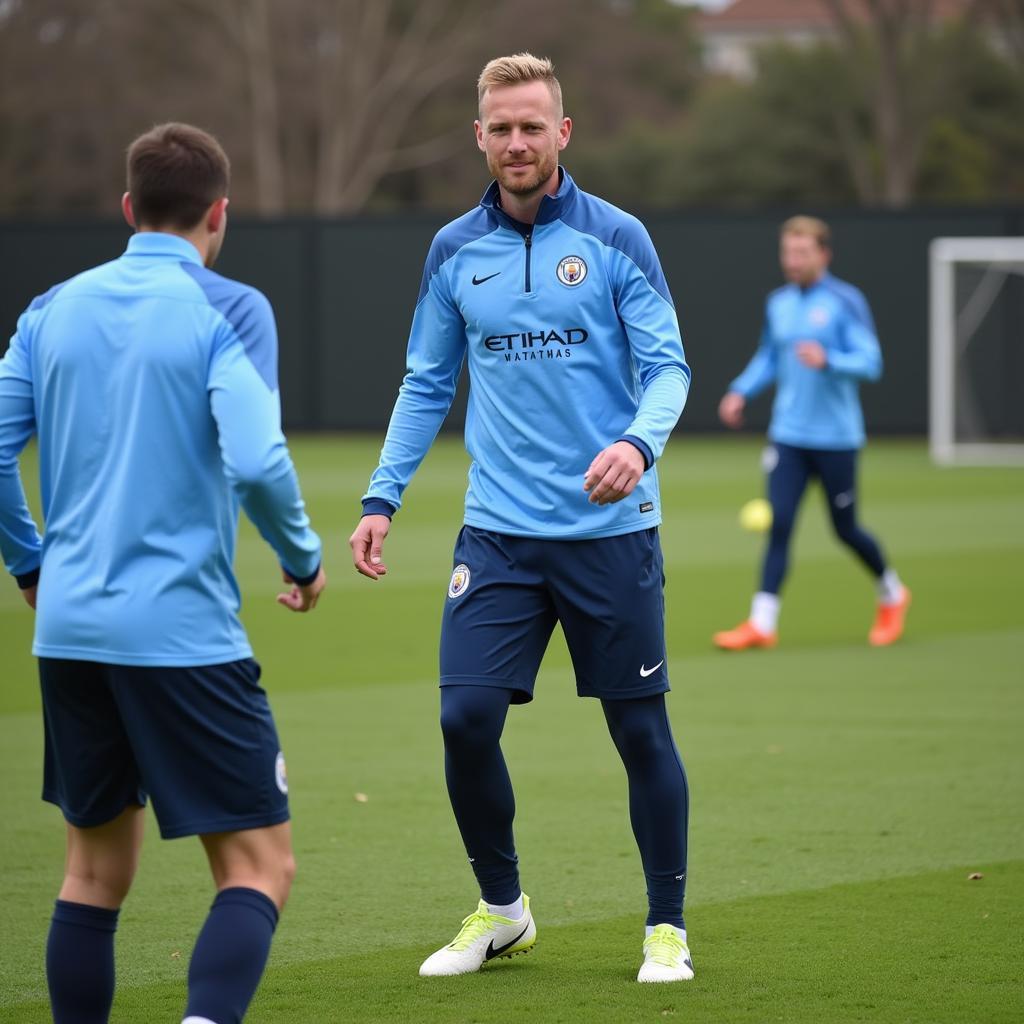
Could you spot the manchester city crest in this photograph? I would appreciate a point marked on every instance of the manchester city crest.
(460, 580)
(280, 773)
(571, 271)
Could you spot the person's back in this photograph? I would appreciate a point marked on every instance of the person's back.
(151, 383)
(140, 512)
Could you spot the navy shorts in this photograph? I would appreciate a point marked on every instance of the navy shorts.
(200, 741)
(506, 594)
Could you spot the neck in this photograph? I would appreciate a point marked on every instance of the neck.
(524, 207)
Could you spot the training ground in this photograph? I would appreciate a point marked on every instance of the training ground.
(841, 796)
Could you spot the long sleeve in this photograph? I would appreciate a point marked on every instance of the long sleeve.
(761, 371)
(245, 403)
(652, 328)
(860, 355)
(20, 543)
(437, 349)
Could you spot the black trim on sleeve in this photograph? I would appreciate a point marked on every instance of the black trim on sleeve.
(28, 580)
(304, 581)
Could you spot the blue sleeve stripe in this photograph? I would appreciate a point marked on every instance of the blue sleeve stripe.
(618, 230)
(248, 312)
(853, 302)
(453, 237)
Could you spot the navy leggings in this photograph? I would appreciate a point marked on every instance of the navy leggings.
(472, 719)
(787, 481)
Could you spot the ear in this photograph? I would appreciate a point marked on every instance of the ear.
(216, 214)
(479, 129)
(564, 131)
(126, 209)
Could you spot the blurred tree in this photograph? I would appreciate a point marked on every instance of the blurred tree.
(334, 89)
(325, 106)
(335, 106)
(628, 68)
(890, 49)
(804, 130)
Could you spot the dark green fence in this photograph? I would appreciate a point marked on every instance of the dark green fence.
(343, 292)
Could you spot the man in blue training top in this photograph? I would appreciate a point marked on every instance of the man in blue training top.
(818, 343)
(151, 384)
(558, 303)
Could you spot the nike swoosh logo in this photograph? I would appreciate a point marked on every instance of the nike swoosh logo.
(480, 280)
(492, 952)
(645, 672)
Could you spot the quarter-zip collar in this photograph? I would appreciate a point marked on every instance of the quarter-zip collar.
(551, 207)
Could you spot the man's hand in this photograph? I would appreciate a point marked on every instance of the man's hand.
(614, 473)
(367, 543)
(29, 593)
(303, 599)
(730, 409)
(812, 354)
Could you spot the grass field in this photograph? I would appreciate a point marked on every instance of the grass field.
(841, 795)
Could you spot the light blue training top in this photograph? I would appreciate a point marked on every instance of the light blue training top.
(815, 408)
(151, 383)
(572, 343)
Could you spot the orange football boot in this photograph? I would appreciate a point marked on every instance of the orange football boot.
(889, 620)
(745, 636)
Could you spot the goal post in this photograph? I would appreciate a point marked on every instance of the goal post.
(976, 351)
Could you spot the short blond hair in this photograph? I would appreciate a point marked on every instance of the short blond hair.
(517, 69)
(809, 226)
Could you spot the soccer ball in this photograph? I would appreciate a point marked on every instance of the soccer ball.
(756, 516)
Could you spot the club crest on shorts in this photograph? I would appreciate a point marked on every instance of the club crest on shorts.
(769, 459)
(571, 271)
(460, 580)
(280, 774)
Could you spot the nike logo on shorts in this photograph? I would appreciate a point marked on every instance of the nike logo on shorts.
(645, 672)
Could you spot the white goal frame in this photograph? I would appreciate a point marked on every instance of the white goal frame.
(942, 341)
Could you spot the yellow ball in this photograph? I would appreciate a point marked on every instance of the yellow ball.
(756, 516)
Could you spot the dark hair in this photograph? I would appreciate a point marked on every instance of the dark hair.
(175, 173)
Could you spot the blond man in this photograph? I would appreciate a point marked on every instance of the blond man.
(557, 303)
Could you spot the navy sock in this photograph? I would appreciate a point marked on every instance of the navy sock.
(230, 955)
(472, 719)
(659, 799)
(80, 963)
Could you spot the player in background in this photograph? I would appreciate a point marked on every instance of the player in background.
(151, 385)
(817, 344)
(558, 303)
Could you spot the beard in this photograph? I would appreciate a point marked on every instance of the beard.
(524, 185)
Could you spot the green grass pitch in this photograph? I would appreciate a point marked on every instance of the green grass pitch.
(840, 795)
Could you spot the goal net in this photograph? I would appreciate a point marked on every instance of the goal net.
(976, 349)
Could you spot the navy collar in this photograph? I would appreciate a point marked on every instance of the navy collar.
(551, 207)
(160, 243)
